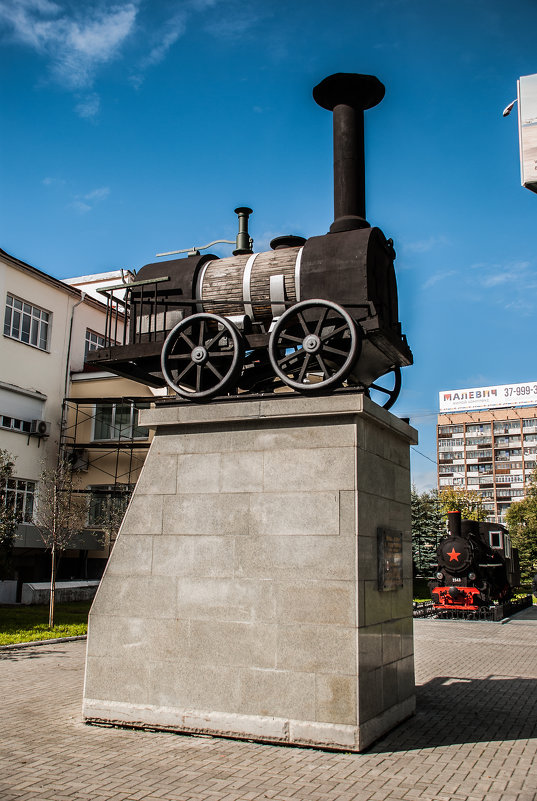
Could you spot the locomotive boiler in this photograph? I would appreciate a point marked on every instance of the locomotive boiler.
(476, 566)
(310, 316)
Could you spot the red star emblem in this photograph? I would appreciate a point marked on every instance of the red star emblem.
(453, 555)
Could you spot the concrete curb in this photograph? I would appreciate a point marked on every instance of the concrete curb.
(51, 641)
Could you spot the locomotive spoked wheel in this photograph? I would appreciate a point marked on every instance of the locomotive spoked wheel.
(314, 345)
(385, 390)
(202, 356)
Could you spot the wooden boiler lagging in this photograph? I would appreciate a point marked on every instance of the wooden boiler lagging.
(255, 285)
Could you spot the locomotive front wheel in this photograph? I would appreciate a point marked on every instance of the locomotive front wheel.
(389, 393)
(202, 356)
(314, 345)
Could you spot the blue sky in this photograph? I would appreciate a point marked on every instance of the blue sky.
(129, 128)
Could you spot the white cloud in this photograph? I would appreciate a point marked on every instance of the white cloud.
(75, 46)
(167, 34)
(512, 285)
(98, 194)
(164, 39)
(89, 107)
(80, 206)
(425, 245)
(434, 279)
(78, 39)
(85, 203)
(50, 181)
(491, 275)
(234, 23)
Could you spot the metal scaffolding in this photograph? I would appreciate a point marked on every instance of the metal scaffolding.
(116, 460)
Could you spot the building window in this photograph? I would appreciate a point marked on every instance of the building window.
(452, 468)
(14, 424)
(108, 503)
(448, 444)
(484, 467)
(530, 423)
(27, 323)
(118, 421)
(506, 426)
(450, 429)
(478, 429)
(94, 341)
(20, 494)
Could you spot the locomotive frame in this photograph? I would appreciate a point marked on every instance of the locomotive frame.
(310, 316)
(481, 567)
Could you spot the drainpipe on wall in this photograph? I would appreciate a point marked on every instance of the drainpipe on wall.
(68, 362)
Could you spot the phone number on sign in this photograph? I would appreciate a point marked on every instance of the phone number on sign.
(527, 390)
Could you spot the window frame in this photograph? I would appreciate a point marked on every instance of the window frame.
(117, 437)
(499, 534)
(40, 323)
(106, 492)
(96, 345)
(24, 427)
(25, 492)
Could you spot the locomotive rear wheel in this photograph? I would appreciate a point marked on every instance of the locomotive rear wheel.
(392, 393)
(314, 345)
(202, 356)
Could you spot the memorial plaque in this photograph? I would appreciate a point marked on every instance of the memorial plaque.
(390, 559)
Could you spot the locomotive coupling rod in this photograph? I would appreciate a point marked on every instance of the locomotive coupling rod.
(347, 95)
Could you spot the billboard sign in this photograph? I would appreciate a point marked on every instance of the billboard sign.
(497, 397)
(527, 130)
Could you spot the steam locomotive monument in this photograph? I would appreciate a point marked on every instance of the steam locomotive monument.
(261, 583)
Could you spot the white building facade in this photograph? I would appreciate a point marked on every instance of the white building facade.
(48, 326)
(492, 450)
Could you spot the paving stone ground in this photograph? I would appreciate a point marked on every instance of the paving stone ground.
(474, 736)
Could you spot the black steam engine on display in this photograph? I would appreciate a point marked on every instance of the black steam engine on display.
(476, 566)
(309, 315)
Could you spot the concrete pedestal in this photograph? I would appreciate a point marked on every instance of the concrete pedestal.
(242, 595)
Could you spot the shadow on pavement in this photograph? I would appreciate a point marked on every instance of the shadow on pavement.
(452, 710)
(17, 654)
(526, 614)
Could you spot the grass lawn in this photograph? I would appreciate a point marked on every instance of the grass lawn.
(28, 623)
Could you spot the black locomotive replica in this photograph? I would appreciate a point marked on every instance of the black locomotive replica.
(476, 566)
(310, 316)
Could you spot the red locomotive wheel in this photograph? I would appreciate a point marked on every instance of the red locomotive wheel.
(314, 345)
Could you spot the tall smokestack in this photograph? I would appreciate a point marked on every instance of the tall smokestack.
(347, 95)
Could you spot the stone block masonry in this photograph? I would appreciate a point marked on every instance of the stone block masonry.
(241, 598)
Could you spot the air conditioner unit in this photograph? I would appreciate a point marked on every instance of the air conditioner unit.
(40, 428)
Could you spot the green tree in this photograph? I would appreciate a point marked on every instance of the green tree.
(468, 502)
(428, 526)
(521, 521)
(60, 517)
(9, 517)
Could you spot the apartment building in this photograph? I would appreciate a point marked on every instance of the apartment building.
(491, 446)
(47, 392)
